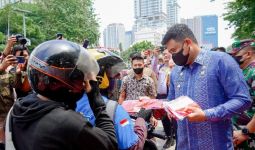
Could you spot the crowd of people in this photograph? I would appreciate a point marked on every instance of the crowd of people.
(64, 96)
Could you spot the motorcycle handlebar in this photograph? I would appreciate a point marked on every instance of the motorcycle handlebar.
(151, 131)
(157, 135)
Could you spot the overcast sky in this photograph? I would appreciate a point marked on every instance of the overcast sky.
(122, 11)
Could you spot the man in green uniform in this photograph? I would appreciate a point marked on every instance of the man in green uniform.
(244, 53)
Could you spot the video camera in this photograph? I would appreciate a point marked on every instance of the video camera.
(20, 39)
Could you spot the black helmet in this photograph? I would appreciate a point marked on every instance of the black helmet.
(58, 68)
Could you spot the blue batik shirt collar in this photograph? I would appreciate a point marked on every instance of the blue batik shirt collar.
(200, 59)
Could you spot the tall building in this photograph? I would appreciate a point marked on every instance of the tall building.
(148, 34)
(172, 12)
(129, 39)
(114, 36)
(152, 17)
(5, 2)
(205, 29)
(150, 14)
(210, 31)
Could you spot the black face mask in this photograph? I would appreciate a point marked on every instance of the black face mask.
(138, 70)
(180, 59)
(238, 59)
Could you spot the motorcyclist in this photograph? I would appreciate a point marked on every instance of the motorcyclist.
(130, 136)
(58, 72)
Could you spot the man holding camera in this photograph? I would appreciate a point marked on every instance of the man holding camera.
(22, 86)
(8, 80)
(17, 39)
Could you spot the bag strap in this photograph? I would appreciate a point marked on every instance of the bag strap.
(9, 145)
(111, 107)
(161, 66)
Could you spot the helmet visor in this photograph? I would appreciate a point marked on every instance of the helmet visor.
(87, 64)
(116, 69)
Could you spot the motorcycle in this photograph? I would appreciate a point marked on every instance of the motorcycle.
(150, 143)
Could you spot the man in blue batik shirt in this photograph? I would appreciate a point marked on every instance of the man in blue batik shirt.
(214, 81)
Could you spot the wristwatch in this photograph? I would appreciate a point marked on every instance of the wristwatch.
(245, 131)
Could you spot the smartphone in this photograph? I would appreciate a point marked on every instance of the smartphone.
(59, 36)
(86, 43)
(21, 59)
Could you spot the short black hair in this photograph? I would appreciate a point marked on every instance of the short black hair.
(137, 56)
(133, 54)
(221, 49)
(179, 32)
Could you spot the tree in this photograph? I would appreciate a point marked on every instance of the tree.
(15, 18)
(74, 18)
(137, 47)
(2, 41)
(116, 52)
(241, 15)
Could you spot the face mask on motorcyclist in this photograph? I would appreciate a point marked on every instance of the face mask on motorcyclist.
(138, 70)
(180, 59)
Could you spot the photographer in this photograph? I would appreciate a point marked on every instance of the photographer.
(14, 39)
(9, 45)
(9, 79)
(6, 91)
(16, 47)
(21, 85)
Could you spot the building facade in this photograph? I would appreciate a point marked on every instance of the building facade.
(153, 17)
(150, 14)
(114, 36)
(173, 9)
(129, 39)
(210, 31)
(148, 34)
(205, 29)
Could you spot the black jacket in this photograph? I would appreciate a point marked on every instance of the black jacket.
(47, 125)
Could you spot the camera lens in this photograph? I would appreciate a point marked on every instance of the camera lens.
(22, 41)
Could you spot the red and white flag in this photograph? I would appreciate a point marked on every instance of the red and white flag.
(124, 122)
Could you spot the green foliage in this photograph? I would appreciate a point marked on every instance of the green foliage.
(74, 18)
(2, 41)
(2, 38)
(33, 30)
(137, 47)
(241, 15)
(116, 52)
